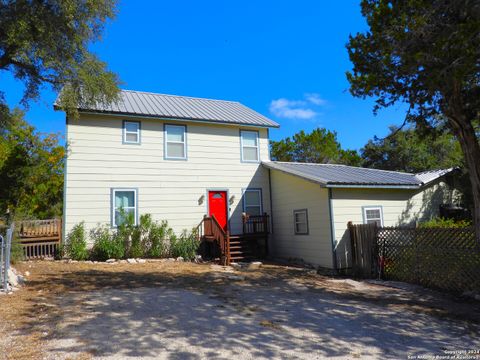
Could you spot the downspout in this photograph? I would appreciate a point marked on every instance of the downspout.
(271, 207)
(332, 230)
(64, 208)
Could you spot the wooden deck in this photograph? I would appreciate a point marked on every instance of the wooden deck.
(220, 244)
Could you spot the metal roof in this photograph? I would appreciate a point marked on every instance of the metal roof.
(145, 104)
(330, 175)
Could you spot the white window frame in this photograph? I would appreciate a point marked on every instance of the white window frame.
(376, 207)
(134, 207)
(166, 142)
(242, 146)
(299, 211)
(125, 132)
(260, 205)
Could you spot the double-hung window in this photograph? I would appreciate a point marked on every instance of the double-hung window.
(249, 146)
(124, 204)
(131, 132)
(300, 221)
(252, 201)
(373, 215)
(175, 142)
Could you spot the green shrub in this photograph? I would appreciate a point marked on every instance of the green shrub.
(16, 251)
(440, 222)
(107, 245)
(76, 243)
(155, 239)
(185, 246)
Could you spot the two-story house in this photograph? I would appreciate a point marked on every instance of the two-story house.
(182, 158)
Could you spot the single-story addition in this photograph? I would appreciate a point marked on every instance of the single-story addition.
(312, 204)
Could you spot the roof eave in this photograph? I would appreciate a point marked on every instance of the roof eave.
(373, 186)
(153, 116)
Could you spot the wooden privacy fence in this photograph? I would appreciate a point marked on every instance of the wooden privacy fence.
(442, 258)
(40, 238)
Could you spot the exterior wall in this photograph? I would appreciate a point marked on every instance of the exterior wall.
(290, 193)
(170, 190)
(399, 207)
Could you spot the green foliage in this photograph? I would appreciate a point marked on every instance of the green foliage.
(48, 42)
(445, 223)
(16, 251)
(407, 150)
(320, 146)
(31, 169)
(107, 245)
(76, 243)
(186, 245)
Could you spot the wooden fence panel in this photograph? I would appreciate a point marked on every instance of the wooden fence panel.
(40, 238)
(364, 250)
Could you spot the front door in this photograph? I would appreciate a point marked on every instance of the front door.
(217, 205)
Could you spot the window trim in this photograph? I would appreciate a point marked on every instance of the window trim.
(259, 190)
(257, 134)
(295, 212)
(372, 207)
(112, 204)
(138, 132)
(165, 142)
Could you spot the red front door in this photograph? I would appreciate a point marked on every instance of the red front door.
(217, 205)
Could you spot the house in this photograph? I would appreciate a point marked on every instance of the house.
(191, 160)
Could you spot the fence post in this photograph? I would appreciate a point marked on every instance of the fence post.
(2, 246)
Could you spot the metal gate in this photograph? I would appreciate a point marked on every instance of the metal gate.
(5, 251)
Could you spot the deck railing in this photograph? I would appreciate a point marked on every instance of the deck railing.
(255, 224)
(40, 238)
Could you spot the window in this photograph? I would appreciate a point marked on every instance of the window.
(300, 220)
(373, 214)
(252, 201)
(124, 203)
(249, 146)
(175, 142)
(131, 132)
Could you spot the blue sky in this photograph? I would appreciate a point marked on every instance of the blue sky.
(285, 59)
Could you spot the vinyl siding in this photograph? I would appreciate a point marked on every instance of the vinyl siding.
(168, 189)
(399, 207)
(291, 193)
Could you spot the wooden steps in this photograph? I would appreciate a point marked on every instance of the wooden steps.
(240, 249)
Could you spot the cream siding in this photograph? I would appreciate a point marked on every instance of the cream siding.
(291, 193)
(173, 190)
(399, 207)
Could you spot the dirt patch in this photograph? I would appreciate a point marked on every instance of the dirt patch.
(83, 310)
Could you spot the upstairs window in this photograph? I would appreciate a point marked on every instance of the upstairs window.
(249, 146)
(175, 142)
(124, 203)
(252, 202)
(373, 215)
(131, 132)
(300, 220)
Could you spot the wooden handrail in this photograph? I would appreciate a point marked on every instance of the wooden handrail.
(211, 227)
(255, 224)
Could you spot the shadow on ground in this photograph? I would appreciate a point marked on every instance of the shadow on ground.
(271, 314)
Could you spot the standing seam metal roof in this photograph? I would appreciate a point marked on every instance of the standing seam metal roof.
(181, 107)
(331, 175)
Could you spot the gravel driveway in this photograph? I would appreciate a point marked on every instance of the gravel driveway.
(263, 316)
(161, 310)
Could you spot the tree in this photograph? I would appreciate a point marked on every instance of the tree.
(46, 42)
(31, 170)
(320, 146)
(425, 53)
(407, 150)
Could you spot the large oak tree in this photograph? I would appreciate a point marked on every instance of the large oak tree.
(47, 42)
(424, 53)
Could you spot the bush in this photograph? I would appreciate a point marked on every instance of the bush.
(185, 246)
(76, 243)
(107, 245)
(155, 240)
(440, 222)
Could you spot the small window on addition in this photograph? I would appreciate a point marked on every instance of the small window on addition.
(131, 132)
(300, 219)
(373, 215)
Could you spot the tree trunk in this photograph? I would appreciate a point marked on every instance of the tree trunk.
(467, 138)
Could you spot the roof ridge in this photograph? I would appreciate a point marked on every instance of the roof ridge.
(179, 96)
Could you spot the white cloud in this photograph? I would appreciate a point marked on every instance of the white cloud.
(315, 99)
(297, 109)
(291, 109)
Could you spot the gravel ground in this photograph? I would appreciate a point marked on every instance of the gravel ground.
(267, 314)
